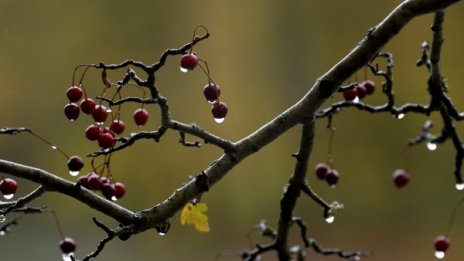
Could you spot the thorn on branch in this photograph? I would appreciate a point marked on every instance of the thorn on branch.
(182, 141)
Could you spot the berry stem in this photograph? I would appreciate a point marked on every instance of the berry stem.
(453, 216)
(57, 221)
(206, 71)
(330, 159)
(53, 146)
(194, 33)
(407, 160)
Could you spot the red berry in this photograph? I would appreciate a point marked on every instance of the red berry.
(108, 130)
(72, 111)
(67, 245)
(188, 61)
(106, 140)
(140, 116)
(84, 181)
(369, 85)
(74, 93)
(321, 170)
(441, 243)
(332, 177)
(361, 91)
(94, 181)
(93, 132)
(108, 190)
(100, 113)
(8, 186)
(350, 94)
(75, 163)
(219, 111)
(401, 177)
(211, 92)
(87, 105)
(117, 126)
(120, 189)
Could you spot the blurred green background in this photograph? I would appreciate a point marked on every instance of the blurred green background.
(265, 55)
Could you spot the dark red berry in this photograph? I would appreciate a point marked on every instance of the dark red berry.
(100, 113)
(441, 243)
(401, 178)
(108, 130)
(108, 190)
(67, 245)
(361, 91)
(87, 105)
(219, 111)
(106, 140)
(75, 163)
(120, 189)
(84, 181)
(72, 111)
(74, 93)
(211, 92)
(321, 170)
(188, 61)
(369, 85)
(332, 177)
(117, 126)
(8, 186)
(140, 116)
(94, 181)
(350, 94)
(93, 132)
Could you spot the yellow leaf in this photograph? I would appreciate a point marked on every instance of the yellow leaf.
(194, 215)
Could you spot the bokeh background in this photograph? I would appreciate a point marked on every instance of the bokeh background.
(265, 55)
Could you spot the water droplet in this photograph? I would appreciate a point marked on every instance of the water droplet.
(73, 173)
(182, 69)
(431, 146)
(356, 99)
(356, 258)
(54, 147)
(108, 110)
(9, 196)
(460, 186)
(2, 233)
(439, 254)
(400, 116)
(219, 120)
(330, 219)
(67, 257)
(114, 198)
(161, 233)
(2, 218)
(71, 120)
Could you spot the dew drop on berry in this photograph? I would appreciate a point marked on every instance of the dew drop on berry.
(439, 254)
(67, 257)
(184, 70)
(330, 219)
(400, 116)
(460, 186)
(8, 196)
(54, 147)
(2, 218)
(431, 146)
(73, 173)
(356, 99)
(114, 198)
(219, 120)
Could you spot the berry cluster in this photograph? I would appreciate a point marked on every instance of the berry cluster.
(105, 136)
(8, 187)
(110, 190)
(324, 171)
(211, 91)
(366, 87)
